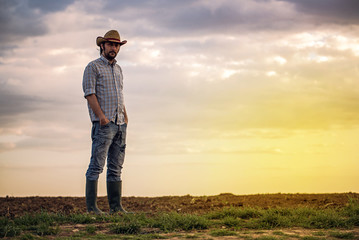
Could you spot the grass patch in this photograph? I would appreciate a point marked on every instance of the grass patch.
(44, 229)
(28, 236)
(125, 228)
(312, 238)
(130, 226)
(242, 213)
(266, 238)
(271, 219)
(222, 233)
(285, 218)
(278, 233)
(320, 233)
(352, 211)
(327, 219)
(9, 230)
(342, 235)
(192, 236)
(91, 229)
(231, 222)
(173, 221)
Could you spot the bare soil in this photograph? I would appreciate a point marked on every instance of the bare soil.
(17, 206)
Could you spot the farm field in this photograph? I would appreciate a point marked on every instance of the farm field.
(224, 216)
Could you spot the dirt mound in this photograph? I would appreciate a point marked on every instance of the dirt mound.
(16, 206)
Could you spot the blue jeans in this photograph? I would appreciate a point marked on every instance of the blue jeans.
(108, 141)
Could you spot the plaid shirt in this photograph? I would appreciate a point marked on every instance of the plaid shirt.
(106, 81)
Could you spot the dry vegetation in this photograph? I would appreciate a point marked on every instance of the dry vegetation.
(15, 206)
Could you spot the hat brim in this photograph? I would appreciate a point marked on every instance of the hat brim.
(100, 40)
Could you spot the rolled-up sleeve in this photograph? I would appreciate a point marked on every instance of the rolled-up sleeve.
(89, 80)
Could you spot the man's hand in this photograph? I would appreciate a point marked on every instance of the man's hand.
(104, 121)
(125, 114)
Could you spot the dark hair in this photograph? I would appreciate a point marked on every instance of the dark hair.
(101, 50)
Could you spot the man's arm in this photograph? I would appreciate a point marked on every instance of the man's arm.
(125, 113)
(95, 106)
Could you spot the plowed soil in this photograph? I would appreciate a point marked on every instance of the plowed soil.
(17, 206)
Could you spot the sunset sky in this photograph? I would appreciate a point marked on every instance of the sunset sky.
(246, 97)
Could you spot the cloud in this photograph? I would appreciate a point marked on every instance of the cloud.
(17, 22)
(329, 11)
(229, 17)
(200, 69)
(50, 5)
(13, 104)
(20, 19)
(176, 18)
(6, 146)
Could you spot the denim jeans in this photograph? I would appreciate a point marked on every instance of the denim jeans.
(108, 141)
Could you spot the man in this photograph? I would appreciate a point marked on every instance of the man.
(103, 89)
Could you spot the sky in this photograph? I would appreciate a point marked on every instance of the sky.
(242, 97)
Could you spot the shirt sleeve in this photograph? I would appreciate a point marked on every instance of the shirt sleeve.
(89, 80)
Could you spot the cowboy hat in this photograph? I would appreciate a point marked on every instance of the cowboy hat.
(110, 36)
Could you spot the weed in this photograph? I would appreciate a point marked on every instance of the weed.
(312, 238)
(352, 207)
(231, 222)
(9, 230)
(153, 236)
(84, 218)
(243, 213)
(35, 219)
(266, 238)
(269, 220)
(352, 210)
(45, 229)
(27, 236)
(174, 221)
(245, 237)
(327, 219)
(125, 228)
(91, 229)
(318, 233)
(141, 219)
(222, 232)
(193, 236)
(342, 235)
(278, 233)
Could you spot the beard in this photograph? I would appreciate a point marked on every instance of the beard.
(110, 55)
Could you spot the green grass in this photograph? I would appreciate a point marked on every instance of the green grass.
(312, 238)
(278, 233)
(126, 228)
(168, 222)
(231, 222)
(91, 229)
(267, 238)
(225, 221)
(342, 235)
(222, 232)
(242, 213)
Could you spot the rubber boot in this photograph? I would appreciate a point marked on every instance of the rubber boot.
(91, 197)
(114, 197)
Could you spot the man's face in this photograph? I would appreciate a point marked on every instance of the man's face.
(110, 50)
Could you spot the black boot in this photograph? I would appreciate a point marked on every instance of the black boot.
(114, 197)
(91, 197)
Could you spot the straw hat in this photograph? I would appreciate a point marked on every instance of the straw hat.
(110, 36)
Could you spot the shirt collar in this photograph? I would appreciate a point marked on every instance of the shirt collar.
(106, 61)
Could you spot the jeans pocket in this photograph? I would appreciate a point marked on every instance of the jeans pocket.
(107, 125)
